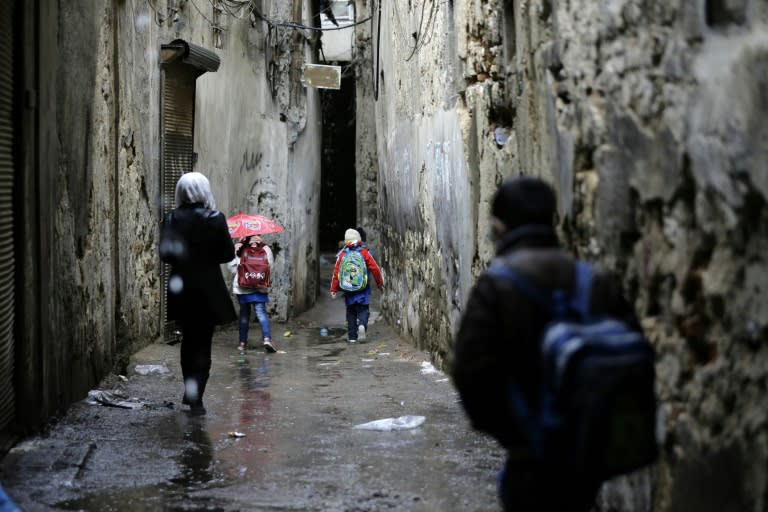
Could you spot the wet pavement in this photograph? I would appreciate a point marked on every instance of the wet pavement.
(278, 434)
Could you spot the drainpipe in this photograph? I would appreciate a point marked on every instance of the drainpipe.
(116, 170)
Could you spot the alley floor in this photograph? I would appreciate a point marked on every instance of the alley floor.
(279, 433)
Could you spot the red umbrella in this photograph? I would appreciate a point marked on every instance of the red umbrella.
(242, 224)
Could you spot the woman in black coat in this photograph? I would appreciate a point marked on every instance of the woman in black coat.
(194, 240)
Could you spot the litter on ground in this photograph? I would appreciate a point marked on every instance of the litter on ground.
(389, 424)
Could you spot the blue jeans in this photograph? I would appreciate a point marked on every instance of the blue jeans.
(357, 314)
(261, 316)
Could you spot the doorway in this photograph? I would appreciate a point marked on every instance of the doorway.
(338, 190)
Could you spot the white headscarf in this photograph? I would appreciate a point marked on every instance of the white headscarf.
(193, 187)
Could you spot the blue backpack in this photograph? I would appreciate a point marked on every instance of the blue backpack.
(596, 414)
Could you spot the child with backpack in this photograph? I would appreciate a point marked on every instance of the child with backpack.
(251, 269)
(350, 275)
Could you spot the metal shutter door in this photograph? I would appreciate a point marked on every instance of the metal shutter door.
(7, 271)
(177, 150)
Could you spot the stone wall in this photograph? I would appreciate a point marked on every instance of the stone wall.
(648, 118)
(83, 246)
(432, 171)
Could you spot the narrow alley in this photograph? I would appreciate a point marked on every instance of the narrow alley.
(296, 412)
(642, 123)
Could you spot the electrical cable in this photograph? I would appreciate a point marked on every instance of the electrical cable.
(212, 24)
(158, 17)
(318, 29)
(274, 23)
(376, 67)
(421, 41)
(417, 34)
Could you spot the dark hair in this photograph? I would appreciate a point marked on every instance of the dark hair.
(245, 242)
(524, 200)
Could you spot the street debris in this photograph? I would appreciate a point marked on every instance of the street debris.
(389, 424)
(428, 368)
(116, 398)
(378, 350)
(287, 334)
(235, 434)
(112, 399)
(149, 369)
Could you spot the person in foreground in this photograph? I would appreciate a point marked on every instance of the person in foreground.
(195, 241)
(552, 437)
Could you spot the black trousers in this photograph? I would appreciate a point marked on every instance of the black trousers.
(197, 337)
(523, 489)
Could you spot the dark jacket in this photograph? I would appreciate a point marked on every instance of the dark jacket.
(500, 331)
(195, 241)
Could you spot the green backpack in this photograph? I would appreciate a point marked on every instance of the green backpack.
(353, 272)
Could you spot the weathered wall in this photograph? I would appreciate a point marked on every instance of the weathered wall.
(648, 118)
(436, 167)
(92, 199)
(657, 113)
(366, 153)
(83, 246)
(263, 152)
(136, 75)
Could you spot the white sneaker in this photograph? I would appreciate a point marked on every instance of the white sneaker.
(351, 340)
(361, 332)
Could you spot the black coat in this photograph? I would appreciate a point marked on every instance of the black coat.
(195, 241)
(500, 331)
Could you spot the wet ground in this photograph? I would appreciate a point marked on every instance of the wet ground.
(294, 414)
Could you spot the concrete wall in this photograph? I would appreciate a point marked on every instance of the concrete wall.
(91, 191)
(648, 118)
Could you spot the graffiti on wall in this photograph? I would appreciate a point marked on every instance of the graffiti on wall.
(251, 160)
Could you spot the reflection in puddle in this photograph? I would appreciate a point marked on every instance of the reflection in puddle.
(196, 458)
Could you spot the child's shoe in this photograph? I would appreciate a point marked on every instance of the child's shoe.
(268, 346)
(241, 347)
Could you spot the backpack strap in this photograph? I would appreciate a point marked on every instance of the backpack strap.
(523, 284)
(561, 302)
(582, 292)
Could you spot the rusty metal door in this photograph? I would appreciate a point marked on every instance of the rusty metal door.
(7, 263)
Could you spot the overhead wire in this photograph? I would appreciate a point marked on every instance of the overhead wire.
(417, 34)
(422, 38)
(238, 6)
(318, 29)
(425, 31)
(375, 67)
(159, 19)
(235, 8)
(211, 23)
